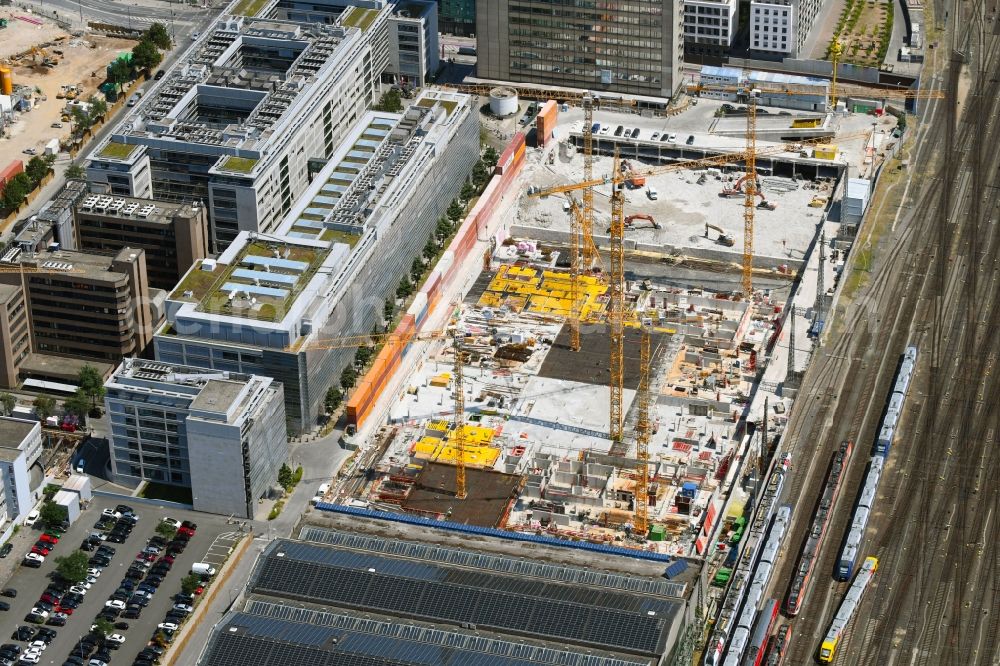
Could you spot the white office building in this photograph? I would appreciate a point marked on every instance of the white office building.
(709, 26)
(221, 434)
(780, 27)
(20, 449)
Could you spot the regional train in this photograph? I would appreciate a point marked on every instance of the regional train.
(869, 489)
(828, 648)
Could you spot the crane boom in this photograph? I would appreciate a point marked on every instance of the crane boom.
(749, 195)
(459, 418)
(588, 175)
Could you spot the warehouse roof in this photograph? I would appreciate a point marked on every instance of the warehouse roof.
(267, 632)
(584, 615)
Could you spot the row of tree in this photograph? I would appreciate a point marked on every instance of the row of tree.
(81, 403)
(145, 56)
(20, 186)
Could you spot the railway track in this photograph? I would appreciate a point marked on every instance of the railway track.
(937, 597)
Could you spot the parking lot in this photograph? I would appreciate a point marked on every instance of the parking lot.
(208, 544)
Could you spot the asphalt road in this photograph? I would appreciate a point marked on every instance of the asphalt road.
(935, 283)
(138, 14)
(30, 583)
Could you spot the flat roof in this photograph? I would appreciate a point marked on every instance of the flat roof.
(13, 431)
(489, 494)
(65, 367)
(218, 395)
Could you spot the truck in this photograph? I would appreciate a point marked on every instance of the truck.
(202, 569)
(52, 147)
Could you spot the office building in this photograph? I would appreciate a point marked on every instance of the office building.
(780, 27)
(709, 27)
(261, 307)
(15, 335)
(457, 17)
(20, 449)
(635, 48)
(236, 121)
(413, 42)
(80, 307)
(220, 434)
(173, 236)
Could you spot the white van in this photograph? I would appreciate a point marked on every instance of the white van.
(652, 193)
(202, 569)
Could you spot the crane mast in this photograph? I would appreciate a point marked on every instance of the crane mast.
(588, 175)
(643, 430)
(459, 393)
(749, 194)
(617, 300)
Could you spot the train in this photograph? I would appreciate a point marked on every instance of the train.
(752, 546)
(777, 645)
(864, 504)
(761, 630)
(817, 530)
(828, 648)
(741, 637)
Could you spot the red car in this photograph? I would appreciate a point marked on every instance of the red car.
(168, 558)
(40, 549)
(62, 609)
(51, 598)
(199, 589)
(48, 538)
(186, 531)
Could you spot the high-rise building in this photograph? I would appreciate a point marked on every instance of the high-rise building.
(709, 27)
(457, 17)
(79, 306)
(780, 27)
(339, 254)
(15, 335)
(173, 236)
(220, 434)
(634, 47)
(413, 42)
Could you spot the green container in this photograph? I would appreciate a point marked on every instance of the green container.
(656, 533)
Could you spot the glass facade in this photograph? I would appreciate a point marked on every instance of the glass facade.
(630, 47)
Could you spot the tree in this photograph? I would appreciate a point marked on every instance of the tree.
(391, 102)
(468, 191)
(98, 107)
(158, 34)
(190, 583)
(16, 191)
(480, 174)
(91, 383)
(285, 476)
(901, 123)
(455, 211)
(78, 403)
(50, 490)
(52, 514)
(75, 172)
(405, 288)
(102, 627)
(362, 356)
(348, 377)
(416, 269)
(166, 530)
(73, 567)
(334, 398)
(44, 406)
(490, 157)
(389, 309)
(145, 55)
(7, 403)
(431, 248)
(81, 120)
(36, 169)
(119, 73)
(443, 228)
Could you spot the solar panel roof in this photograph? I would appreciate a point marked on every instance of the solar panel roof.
(277, 635)
(567, 613)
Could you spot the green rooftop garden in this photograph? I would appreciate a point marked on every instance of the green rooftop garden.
(249, 7)
(117, 151)
(358, 17)
(449, 106)
(239, 164)
(337, 236)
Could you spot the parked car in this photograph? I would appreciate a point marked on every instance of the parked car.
(31, 519)
(114, 603)
(8, 592)
(690, 140)
(159, 75)
(33, 560)
(5, 549)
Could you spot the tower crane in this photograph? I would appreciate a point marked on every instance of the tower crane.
(459, 419)
(616, 302)
(749, 196)
(643, 430)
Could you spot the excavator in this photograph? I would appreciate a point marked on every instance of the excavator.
(737, 191)
(639, 217)
(724, 238)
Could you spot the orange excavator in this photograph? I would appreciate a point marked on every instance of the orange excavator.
(639, 217)
(737, 191)
(633, 179)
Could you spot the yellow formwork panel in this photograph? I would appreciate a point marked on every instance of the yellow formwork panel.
(547, 292)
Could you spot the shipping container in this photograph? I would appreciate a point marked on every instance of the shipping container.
(12, 169)
(509, 157)
(545, 123)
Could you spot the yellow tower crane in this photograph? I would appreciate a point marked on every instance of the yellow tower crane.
(459, 419)
(643, 431)
(749, 195)
(616, 303)
(835, 52)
